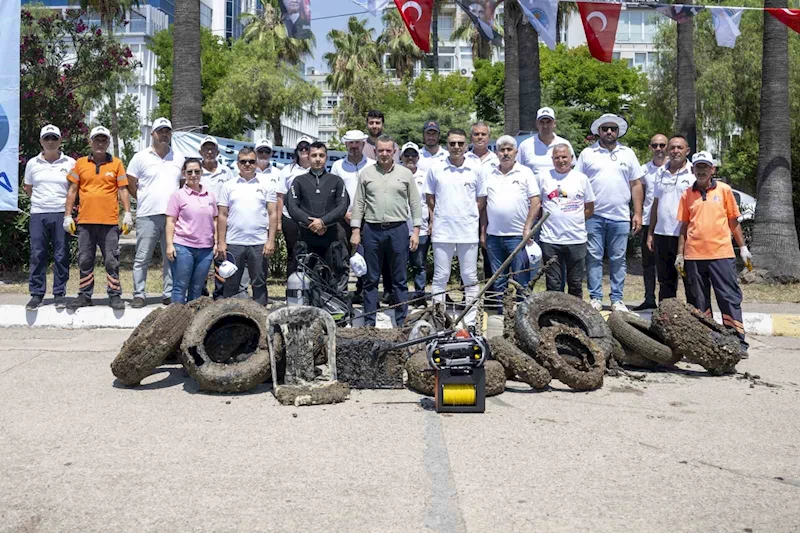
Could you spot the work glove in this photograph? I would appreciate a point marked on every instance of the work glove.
(127, 222)
(679, 265)
(69, 225)
(747, 257)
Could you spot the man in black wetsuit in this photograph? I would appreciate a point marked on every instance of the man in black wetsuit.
(317, 201)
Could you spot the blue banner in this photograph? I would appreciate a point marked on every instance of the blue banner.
(9, 103)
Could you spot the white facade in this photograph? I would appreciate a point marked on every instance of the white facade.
(327, 107)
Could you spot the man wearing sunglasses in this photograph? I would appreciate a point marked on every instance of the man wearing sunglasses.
(615, 175)
(658, 147)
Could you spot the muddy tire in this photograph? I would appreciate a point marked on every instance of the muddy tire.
(518, 364)
(631, 359)
(225, 347)
(158, 335)
(634, 333)
(422, 378)
(697, 338)
(194, 306)
(557, 340)
(549, 308)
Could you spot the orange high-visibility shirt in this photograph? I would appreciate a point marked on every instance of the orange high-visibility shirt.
(708, 235)
(98, 184)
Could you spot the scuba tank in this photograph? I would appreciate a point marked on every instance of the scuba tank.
(298, 289)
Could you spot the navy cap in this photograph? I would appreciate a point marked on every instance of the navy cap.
(430, 125)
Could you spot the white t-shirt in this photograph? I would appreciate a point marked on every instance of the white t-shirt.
(564, 196)
(288, 174)
(427, 159)
(508, 199)
(457, 189)
(213, 181)
(248, 220)
(419, 178)
(668, 190)
(49, 181)
(350, 174)
(271, 176)
(491, 159)
(610, 174)
(158, 179)
(649, 171)
(538, 156)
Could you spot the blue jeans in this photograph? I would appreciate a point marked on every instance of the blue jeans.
(189, 272)
(417, 260)
(611, 237)
(499, 249)
(391, 242)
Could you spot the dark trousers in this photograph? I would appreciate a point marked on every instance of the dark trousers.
(666, 250)
(720, 274)
(332, 248)
(418, 262)
(46, 229)
(106, 236)
(385, 268)
(290, 234)
(253, 258)
(570, 256)
(648, 268)
(385, 242)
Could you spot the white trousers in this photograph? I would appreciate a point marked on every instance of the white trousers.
(468, 262)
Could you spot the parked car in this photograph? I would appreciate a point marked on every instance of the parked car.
(747, 205)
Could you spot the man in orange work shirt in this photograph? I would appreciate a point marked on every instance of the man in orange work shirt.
(709, 216)
(100, 179)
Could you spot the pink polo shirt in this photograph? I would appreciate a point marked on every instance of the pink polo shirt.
(194, 214)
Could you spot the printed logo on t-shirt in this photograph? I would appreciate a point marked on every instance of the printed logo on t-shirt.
(64, 170)
(110, 174)
(716, 198)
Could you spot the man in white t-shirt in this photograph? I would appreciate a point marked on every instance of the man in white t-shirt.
(264, 169)
(350, 168)
(480, 137)
(512, 203)
(153, 175)
(671, 181)
(417, 258)
(431, 154)
(658, 147)
(567, 195)
(46, 184)
(246, 227)
(615, 175)
(456, 194)
(536, 152)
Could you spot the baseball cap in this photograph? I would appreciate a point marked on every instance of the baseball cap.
(546, 112)
(100, 130)
(209, 139)
(703, 157)
(409, 146)
(161, 123)
(264, 143)
(305, 139)
(50, 130)
(430, 125)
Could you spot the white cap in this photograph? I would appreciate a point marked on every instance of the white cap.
(533, 253)
(305, 139)
(100, 130)
(161, 123)
(412, 146)
(354, 136)
(209, 139)
(703, 157)
(264, 143)
(358, 266)
(546, 112)
(227, 269)
(50, 130)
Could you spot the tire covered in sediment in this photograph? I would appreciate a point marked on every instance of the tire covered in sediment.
(631, 359)
(194, 306)
(422, 378)
(549, 308)
(518, 364)
(697, 338)
(153, 340)
(559, 339)
(634, 333)
(225, 347)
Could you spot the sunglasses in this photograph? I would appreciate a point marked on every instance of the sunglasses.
(264, 151)
(609, 128)
(457, 143)
(50, 138)
(658, 145)
(195, 172)
(247, 161)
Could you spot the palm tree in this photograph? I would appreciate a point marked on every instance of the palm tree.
(435, 35)
(565, 10)
(687, 98)
(530, 92)
(269, 30)
(398, 44)
(187, 94)
(775, 247)
(481, 48)
(511, 18)
(354, 51)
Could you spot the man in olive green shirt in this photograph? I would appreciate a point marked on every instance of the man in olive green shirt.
(385, 195)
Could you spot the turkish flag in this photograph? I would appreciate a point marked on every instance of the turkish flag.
(600, 25)
(417, 16)
(790, 17)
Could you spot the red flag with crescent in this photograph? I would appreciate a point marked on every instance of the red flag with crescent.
(600, 25)
(790, 17)
(417, 16)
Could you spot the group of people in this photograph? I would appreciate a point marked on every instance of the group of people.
(390, 204)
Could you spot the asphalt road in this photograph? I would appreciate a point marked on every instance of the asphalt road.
(675, 452)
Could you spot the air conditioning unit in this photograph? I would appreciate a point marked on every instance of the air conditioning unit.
(466, 72)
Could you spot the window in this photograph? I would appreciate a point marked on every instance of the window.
(206, 14)
(637, 26)
(640, 60)
(445, 27)
(465, 50)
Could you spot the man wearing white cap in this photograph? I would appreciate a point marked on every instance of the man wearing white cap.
(615, 175)
(153, 175)
(264, 168)
(101, 182)
(46, 184)
(536, 152)
(417, 258)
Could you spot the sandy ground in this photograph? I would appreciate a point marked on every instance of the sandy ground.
(674, 452)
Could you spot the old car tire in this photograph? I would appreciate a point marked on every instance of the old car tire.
(634, 333)
(559, 339)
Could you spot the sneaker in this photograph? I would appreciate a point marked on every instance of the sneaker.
(81, 301)
(386, 298)
(115, 302)
(596, 304)
(619, 306)
(34, 303)
(644, 306)
(60, 301)
(358, 298)
(166, 301)
(137, 303)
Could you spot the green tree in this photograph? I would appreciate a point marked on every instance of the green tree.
(355, 51)
(452, 92)
(488, 86)
(129, 126)
(268, 30)
(396, 42)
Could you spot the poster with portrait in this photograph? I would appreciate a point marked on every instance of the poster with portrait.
(481, 12)
(297, 18)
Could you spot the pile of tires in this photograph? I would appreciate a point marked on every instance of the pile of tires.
(640, 346)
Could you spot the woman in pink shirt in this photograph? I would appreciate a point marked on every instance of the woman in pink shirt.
(191, 234)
